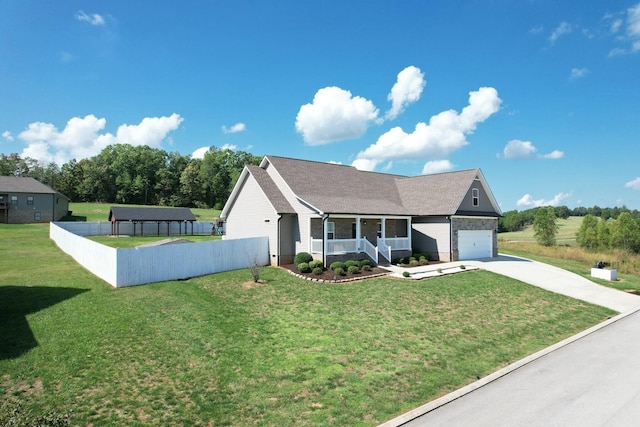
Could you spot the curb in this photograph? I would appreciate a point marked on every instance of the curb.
(435, 404)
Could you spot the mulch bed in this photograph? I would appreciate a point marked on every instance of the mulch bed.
(329, 276)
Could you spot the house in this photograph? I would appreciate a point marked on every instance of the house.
(25, 200)
(336, 212)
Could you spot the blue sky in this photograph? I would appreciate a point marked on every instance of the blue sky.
(543, 96)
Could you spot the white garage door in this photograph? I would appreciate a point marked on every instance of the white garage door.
(474, 244)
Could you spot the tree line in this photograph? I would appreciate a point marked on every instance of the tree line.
(517, 220)
(601, 233)
(127, 174)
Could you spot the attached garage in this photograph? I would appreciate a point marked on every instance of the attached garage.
(474, 244)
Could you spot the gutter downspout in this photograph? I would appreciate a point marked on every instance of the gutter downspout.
(279, 243)
(450, 239)
(324, 239)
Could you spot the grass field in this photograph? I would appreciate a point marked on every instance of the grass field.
(221, 350)
(567, 229)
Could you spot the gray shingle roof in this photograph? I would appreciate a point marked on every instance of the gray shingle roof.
(336, 189)
(271, 190)
(15, 184)
(437, 194)
(123, 213)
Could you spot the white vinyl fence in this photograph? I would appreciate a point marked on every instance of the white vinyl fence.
(136, 266)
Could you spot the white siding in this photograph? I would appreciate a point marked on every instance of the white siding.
(303, 241)
(252, 215)
(432, 236)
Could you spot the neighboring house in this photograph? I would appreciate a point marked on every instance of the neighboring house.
(25, 200)
(335, 212)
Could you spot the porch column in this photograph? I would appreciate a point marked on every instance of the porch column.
(383, 231)
(409, 231)
(324, 239)
(358, 233)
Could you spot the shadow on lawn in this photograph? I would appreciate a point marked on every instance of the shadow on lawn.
(16, 302)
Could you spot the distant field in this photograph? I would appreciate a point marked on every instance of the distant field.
(100, 211)
(567, 229)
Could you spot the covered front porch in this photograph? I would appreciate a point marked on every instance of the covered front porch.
(380, 237)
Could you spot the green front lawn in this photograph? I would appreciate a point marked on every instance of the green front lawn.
(221, 350)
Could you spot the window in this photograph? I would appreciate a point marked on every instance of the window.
(14, 200)
(331, 230)
(29, 200)
(36, 216)
(476, 197)
(353, 230)
(379, 225)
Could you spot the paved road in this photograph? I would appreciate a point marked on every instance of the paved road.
(591, 379)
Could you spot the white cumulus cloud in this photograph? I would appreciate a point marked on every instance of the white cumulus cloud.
(7, 135)
(437, 166)
(82, 137)
(554, 155)
(528, 201)
(406, 90)
(634, 185)
(335, 115)
(561, 30)
(238, 127)
(517, 149)
(444, 134)
(92, 18)
(199, 153)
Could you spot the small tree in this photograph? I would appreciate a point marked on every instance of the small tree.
(587, 236)
(545, 227)
(255, 269)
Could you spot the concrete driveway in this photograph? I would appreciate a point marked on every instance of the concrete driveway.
(590, 379)
(557, 280)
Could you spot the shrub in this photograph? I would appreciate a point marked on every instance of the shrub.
(414, 263)
(422, 258)
(303, 267)
(395, 261)
(316, 263)
(423, 261)
(336, 265)
(351, 263)
(412, 258)
(401, 261)
(462, 267)
(406, 274)
(440, 270)
(317, 271)
(366, 267)
(339, 271)
(353, 269)
(364, 262)
(302, 257)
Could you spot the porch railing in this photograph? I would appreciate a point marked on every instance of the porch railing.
(370, 250)
(383, 249)
(397, 243)
(346, 246)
